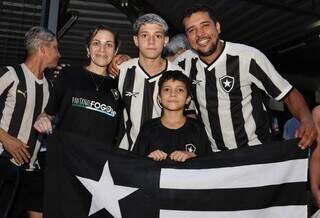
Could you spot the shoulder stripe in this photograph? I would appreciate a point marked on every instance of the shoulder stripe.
(262, 76)
(3, 70)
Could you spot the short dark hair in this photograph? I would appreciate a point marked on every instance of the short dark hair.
(92, 33)
(198, 8)
(175, 75)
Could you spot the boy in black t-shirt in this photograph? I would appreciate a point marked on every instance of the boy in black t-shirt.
(173, 135)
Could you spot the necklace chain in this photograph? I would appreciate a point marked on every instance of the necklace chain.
(95, 84)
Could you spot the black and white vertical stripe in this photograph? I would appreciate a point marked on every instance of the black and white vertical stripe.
(23, 98)
(236, 117)
(139, 92)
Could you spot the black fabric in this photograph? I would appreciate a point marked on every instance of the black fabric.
(20, 190)
(82, 109)
(9, 182)
(29, 196)
(78, 157)
(153, 136)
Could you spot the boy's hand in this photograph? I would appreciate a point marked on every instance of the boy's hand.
(158, 155)
(17, 149)
(117, 60)
(181, 156)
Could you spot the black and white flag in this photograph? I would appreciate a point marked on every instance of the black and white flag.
(89, 180)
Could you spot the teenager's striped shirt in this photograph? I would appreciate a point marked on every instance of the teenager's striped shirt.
(22, 98)
(139, 93)
(228, 94)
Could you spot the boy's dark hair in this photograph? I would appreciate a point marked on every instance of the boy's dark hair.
(175, 75)
(198, 8)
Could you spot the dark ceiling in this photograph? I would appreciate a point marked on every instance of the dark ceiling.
(286, 30)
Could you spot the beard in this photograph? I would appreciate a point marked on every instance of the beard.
(213, 47)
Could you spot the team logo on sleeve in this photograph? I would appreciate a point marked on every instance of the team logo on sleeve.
(226, 83)
(115, 94)
(190, 148)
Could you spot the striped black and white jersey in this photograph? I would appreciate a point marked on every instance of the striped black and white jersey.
(22, 98)
(139, 93)
(228, 94)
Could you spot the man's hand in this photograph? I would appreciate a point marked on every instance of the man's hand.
(43, 123)
(299, 109)
(181, 156)
(158, 155)
(307, 132)
(117, 60)
(17, 149)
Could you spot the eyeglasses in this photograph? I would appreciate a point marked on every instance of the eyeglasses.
(99, 44)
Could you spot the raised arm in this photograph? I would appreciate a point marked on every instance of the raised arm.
(117, 60)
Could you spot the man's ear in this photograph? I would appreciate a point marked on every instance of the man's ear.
(218, 27)
(135, 39)
(41, 49)
(166, 40)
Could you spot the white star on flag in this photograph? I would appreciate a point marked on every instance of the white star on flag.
(227, 83)
(105, 194)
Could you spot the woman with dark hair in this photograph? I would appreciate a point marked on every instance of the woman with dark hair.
(89, 107)
(86, 98)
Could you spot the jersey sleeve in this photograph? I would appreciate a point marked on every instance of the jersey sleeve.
(6, 81)
(263, 74)
(56, 94)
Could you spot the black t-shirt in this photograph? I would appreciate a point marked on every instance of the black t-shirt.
(87, 104)
(190, 137)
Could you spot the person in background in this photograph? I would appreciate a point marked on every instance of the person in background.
(176, 46)
(290, 128)
(24, 93)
